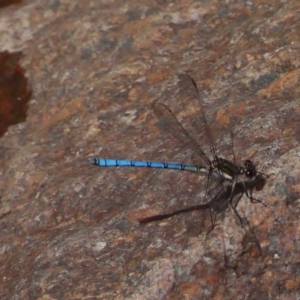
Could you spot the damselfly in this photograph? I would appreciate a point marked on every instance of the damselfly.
(223, 169)
(220, 200)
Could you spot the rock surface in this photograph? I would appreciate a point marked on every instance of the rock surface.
(69, 230)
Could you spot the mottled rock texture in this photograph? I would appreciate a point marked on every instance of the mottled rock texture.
(69, 230)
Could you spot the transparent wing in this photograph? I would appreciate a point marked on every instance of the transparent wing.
(169, 122)
(190, 96)
(186, 121)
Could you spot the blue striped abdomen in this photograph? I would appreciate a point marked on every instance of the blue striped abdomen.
(110, 162)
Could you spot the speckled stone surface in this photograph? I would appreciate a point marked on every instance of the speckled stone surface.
(69, 230)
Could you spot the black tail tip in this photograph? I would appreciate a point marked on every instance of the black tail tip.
(92, 160)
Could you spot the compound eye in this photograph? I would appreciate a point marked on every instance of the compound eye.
(249, 173)
(249, 168)
(248, 164)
